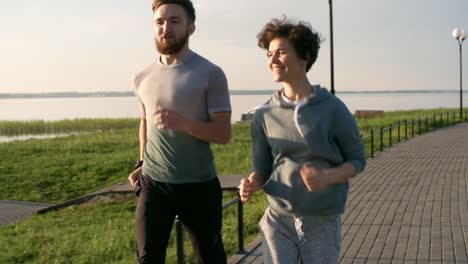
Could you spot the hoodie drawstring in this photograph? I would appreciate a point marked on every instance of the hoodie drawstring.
(298, 226)
(300, 104)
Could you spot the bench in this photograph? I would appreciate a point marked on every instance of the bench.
(368, 113)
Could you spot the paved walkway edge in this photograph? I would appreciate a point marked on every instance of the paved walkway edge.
(251, 247)
(79, 200)
(228, 183)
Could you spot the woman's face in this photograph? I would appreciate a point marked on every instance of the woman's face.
(283, 61)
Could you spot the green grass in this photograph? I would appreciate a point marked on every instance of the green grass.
(93, 234)
(59, 169)
(101, 233)
(65, 126)
(235, 157)
(54, 170)
(366, 124)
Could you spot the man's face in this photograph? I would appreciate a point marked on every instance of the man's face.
(172, 28)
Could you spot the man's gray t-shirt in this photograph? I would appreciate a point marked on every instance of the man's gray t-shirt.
(195, 88)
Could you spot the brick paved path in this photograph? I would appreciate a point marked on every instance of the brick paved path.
(410, 205)
(11, 211)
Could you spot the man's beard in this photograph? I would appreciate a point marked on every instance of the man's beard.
(171, 47)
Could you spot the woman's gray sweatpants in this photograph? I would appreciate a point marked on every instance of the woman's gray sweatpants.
(308, 239)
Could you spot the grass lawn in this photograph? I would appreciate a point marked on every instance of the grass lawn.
(103, 233)
(54, 170)
(58, 169)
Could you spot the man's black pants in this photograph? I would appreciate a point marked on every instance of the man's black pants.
(199, 208)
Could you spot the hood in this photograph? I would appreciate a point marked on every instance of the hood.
(320, 95)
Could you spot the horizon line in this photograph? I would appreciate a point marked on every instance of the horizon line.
(66, 94)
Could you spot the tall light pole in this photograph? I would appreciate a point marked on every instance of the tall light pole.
(460, 36)
(332, 71)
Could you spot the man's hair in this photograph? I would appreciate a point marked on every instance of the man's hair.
(306, 41)
(185, 4)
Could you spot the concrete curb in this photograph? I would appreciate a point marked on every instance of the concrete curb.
(80, 200)
(228, 183)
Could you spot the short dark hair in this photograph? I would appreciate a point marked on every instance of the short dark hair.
(306, 41)
(186, 4)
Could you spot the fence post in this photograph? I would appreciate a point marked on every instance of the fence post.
(240, 227)
(448, 122)
(399, 123)
(412, 127)
(390, 140)
(441, 120)
(419, 125)
(381, 139)
(434, 122)
(427, 124)
(372, 142)
(406, 129)
(180, 241)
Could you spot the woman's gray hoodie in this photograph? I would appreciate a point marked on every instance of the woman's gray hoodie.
(320, 131)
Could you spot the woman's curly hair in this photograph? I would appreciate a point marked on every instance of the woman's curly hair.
(306, 41)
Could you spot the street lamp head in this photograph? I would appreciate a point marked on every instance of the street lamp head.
(458, 33)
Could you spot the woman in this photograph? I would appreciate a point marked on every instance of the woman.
(306, 146)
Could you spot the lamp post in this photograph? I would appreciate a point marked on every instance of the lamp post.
(332, 71)
(460, 36)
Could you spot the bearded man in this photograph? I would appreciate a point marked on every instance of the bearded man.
(184, 103)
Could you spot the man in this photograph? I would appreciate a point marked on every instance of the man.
(185, 106)
(306, 145)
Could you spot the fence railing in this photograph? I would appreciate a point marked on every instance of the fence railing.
(240, 230)
(383, 137)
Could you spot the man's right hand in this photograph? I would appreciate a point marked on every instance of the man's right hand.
(134, 177)
(248, 186)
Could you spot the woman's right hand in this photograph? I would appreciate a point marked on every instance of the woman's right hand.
(248, 186)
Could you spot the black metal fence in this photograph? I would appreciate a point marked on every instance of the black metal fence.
(383, 137)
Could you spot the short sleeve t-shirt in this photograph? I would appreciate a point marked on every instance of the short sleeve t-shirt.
(195, 88)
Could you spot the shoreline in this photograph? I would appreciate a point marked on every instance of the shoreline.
(51, 95)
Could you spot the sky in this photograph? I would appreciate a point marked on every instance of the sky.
(98, 45)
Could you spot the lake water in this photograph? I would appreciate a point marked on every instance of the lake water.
(4, 139)
(116, 107)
